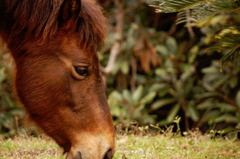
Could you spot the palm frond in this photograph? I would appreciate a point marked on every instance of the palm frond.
(197, 13)
(200, 10)
(231, 55)
(194, 12)
(226, 5)
(170, 6)
(228, 44)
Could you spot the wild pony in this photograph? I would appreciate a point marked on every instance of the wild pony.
(58, 79)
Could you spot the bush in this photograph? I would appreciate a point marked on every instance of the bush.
(10, 114)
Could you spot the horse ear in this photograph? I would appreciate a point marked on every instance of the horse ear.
(69, 9)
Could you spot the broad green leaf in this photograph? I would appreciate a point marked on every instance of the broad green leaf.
(116, 111)
(137, 112)
(208, 86)
(205, 104)
(148, 98)
(192, 111)
(238, 98)
(193, 54)
(228, 118)
(114, 99)
(124, 67)
(127, 96)
(210, 70)
(206, 95)
(117, 95)
(172, 45)
(161, 72)
(221, 81)
(179, 87)
(211, 116)
(165, 91)
(131, 42)
(188, 71)
(236, 69)
(138, 93)
(141, 78)
(225, 107)
(188, 87)
(169, 63)
(229, 130)
(173, 113)
(162, 102)
(233, 82)
(158, 87)
(162, 50)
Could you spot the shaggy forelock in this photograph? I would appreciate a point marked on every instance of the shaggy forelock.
(40, 18)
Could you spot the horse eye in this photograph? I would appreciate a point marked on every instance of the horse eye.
(81, 70)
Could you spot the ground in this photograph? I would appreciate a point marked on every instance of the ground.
(161, 146)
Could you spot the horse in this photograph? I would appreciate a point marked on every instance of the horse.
(58, 79)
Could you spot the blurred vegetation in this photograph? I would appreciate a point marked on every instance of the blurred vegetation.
(199, 12)
(10, 114)
(156, 70)
(164, 70)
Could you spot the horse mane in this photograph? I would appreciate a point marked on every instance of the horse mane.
(40, 19)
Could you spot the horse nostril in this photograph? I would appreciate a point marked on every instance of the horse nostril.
(108, 154)
(78, 155)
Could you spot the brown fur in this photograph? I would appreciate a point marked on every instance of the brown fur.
(47, 39)
(40, 19)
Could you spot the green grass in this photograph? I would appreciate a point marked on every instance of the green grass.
(193, 146)
(29, 148)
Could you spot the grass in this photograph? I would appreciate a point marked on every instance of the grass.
(164, 146)
(29, 148)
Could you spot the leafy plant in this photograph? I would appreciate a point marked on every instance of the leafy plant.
(204, 97)
(10, 114)
(127, 107)
(175, 81)
(218, 97)
(199, 12)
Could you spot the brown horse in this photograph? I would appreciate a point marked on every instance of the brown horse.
(58, 79)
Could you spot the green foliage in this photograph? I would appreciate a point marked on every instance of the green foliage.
(174, 81)
(127, 106)
(222, 32)
(207, 100)
(216, 96)
(216, 6)
(160, 72)
(10, 114)
(188, 80)
(199, 12)
(169, 6)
